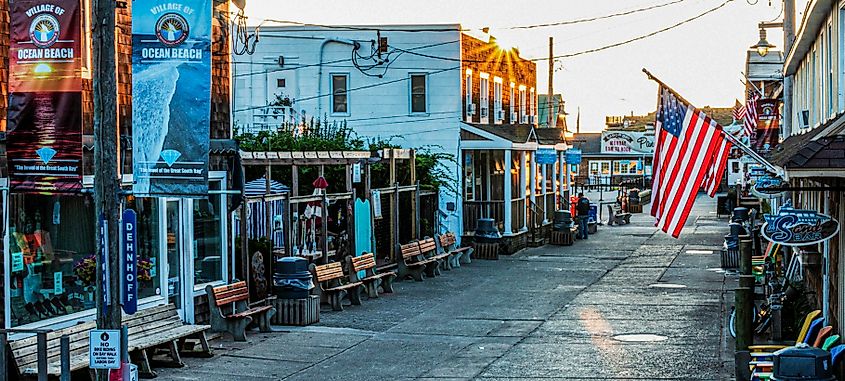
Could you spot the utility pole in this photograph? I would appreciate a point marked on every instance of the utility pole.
(788, 40)
(549, 102)
(106, 175)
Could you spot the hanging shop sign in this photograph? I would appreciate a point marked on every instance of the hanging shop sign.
(798, 227)
(44, 139)
(627, 142)
(768, 125)
(768, 186)
(129, 296)
(545, 156)
(573, 156)
(171, 97)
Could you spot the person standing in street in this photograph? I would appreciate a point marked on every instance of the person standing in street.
(583, 210)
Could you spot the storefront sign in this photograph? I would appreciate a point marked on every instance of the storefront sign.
(627, 142)
(104, 349)
(17, 262)
(57, 283)
(797, 227)
(129, 297)
(768, 186)
(44, 141)
(573, 156)
(171, 100)
(545, 156)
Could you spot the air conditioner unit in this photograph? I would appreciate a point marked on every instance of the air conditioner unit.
(524, 119)
(471, 109)
(500, 115)
(514, 116)
(532, 119)
(484, 112)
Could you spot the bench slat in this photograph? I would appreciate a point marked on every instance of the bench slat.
(249, 312)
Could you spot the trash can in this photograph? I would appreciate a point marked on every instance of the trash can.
(292, 280)
(486, 231)
(562, 221)
(634, 197)
(740, 214)
(802, 363)
(594, 213)
(730, 253)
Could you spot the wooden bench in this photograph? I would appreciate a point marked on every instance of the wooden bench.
(410, 262)
(371, 280)
(428, 248)
(331, 286)
(615, 215)
(448, 243)
(231, 311)
(149, 328)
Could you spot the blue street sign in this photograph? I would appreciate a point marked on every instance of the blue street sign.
(573, 156)
(545, 156)
(104, 261)
(129, 281)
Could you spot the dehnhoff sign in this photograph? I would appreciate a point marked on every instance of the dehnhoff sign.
(627, 142)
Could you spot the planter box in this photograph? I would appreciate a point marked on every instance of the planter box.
(299, 312)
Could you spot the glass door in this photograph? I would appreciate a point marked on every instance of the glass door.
(176, 226)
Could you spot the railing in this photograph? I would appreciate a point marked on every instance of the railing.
(535, 219)
(41, 353)
(475, 210)
(517, 214)
(550, 206)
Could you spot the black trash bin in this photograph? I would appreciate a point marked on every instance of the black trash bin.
(292, 280)
(562, 221)
(802, 363)
(740, 214)
(486, 231)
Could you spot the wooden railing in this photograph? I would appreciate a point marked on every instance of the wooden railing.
(518, 209)
(474, 210)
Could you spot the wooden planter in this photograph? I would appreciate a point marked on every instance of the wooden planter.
(299, 312)
(486, 251)
(564, 238)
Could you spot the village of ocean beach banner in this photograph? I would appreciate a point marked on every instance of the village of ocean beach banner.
(44, 138)
(171, 97)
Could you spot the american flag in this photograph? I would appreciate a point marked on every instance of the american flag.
(689, 143)
(751, 117)
(739, 112)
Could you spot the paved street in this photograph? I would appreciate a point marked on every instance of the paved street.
(546, 313)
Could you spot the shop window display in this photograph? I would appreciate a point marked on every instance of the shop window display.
(52, 265)
(52, 258)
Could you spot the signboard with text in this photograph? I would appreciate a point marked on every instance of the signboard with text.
(104, 349)
(573, 156)
(545, 156)
(171, 97)
(129, 281)
(627, 142)
(798, 227)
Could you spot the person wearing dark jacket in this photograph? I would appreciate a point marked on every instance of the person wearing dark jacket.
(582, 208)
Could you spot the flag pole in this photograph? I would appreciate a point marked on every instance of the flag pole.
(736, 142)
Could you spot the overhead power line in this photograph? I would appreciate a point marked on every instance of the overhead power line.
(596, 18)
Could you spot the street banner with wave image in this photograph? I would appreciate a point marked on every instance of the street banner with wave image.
(171, 97)
(44, 138)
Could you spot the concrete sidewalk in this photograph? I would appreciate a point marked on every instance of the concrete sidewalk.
(546, 313)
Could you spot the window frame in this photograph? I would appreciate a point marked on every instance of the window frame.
(497, 100)
(522, 103)
(484, 98)
(411, 93)
(468, 94)
(346, 94)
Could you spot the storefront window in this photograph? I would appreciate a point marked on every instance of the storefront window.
(208, 237)
(52, 268)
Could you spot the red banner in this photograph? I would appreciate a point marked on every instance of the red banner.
(768, 125)
(44, 141)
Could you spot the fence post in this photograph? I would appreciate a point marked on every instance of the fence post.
(42, 355)
(394, 217)
(3, 365)
(418, 223)
(65, 355)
